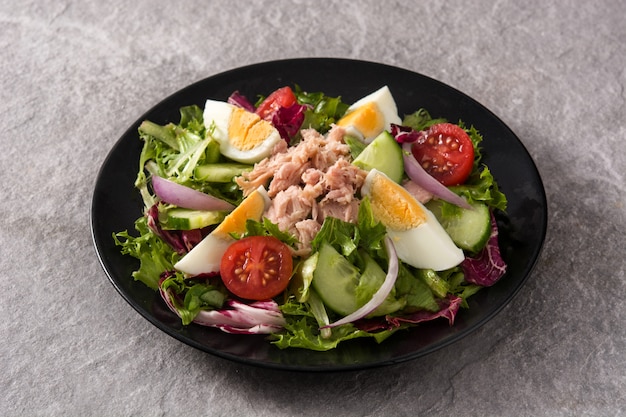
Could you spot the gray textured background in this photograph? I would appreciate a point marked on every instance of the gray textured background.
(75, 75)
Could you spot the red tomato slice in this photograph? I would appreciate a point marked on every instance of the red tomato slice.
(446, 152)
(257, 267)
(283, 97)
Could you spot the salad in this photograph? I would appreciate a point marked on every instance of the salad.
(311, 220)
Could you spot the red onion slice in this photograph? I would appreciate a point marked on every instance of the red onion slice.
(416, 173)
(380, 295)
(185, 197)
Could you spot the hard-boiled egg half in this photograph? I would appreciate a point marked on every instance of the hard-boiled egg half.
(371, 115)
(206, 256)
(419, 239)
(243, 136)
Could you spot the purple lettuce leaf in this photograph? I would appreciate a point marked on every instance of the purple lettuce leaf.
(239, 100)
(448, 309)
(288, 120)
(182, 241)
(404, 134)
(488, 266)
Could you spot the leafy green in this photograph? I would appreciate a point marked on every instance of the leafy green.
(195, 295)
(415, 292)
(192, 118)
(356, 145)
(372, 277)
(266, 227)
(322, 110)
(481, 187)
(346, 238)
(371, 231)
(342, 236)
(302, 331)
(154, 255)
(436, 284)
(420, 120)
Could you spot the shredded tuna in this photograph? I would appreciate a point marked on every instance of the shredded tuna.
(307, 183)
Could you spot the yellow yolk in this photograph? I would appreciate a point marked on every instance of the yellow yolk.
(393, 205)
(366, 119)
(251, 208)
(247, 130)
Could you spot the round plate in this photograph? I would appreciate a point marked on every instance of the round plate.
(117, 204)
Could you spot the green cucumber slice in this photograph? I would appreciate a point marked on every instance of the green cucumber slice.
(186, 219)
(383, 154)
(335, 280)
(221, 172)
(468, 229)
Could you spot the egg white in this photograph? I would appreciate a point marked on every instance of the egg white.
(425, 246)
(387, 107)
(205, 257)
(217, 119)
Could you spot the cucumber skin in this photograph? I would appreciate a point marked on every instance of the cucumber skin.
(469, 229)
(220, 172)
(383, 154)
(335, 280)
(186, 219)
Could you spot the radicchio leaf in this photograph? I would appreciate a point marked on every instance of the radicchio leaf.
(288, 120)
(404, 134)
(260, 317)
(239, 100)
(448, 309)
(182, 241)
(488, 266)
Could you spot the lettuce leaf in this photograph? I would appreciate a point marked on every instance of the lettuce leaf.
(421, 120)
(302, 331)
(192, 296)
(322, 110)
(154, 255)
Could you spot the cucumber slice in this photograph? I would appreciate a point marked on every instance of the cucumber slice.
(222, 172)
(335, 280)
(468, 229)
(212, 152)
(186, 219)
(384, 154)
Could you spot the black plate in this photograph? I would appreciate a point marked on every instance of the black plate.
(116, 205)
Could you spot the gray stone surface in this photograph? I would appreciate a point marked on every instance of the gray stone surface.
(75, 75)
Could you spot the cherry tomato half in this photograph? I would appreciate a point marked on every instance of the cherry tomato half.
(256, 267)
(446, 152)
(283, 97)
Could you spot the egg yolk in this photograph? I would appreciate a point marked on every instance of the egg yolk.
(252, 207)
(367, 119)
(393, 205)
(247, 130)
